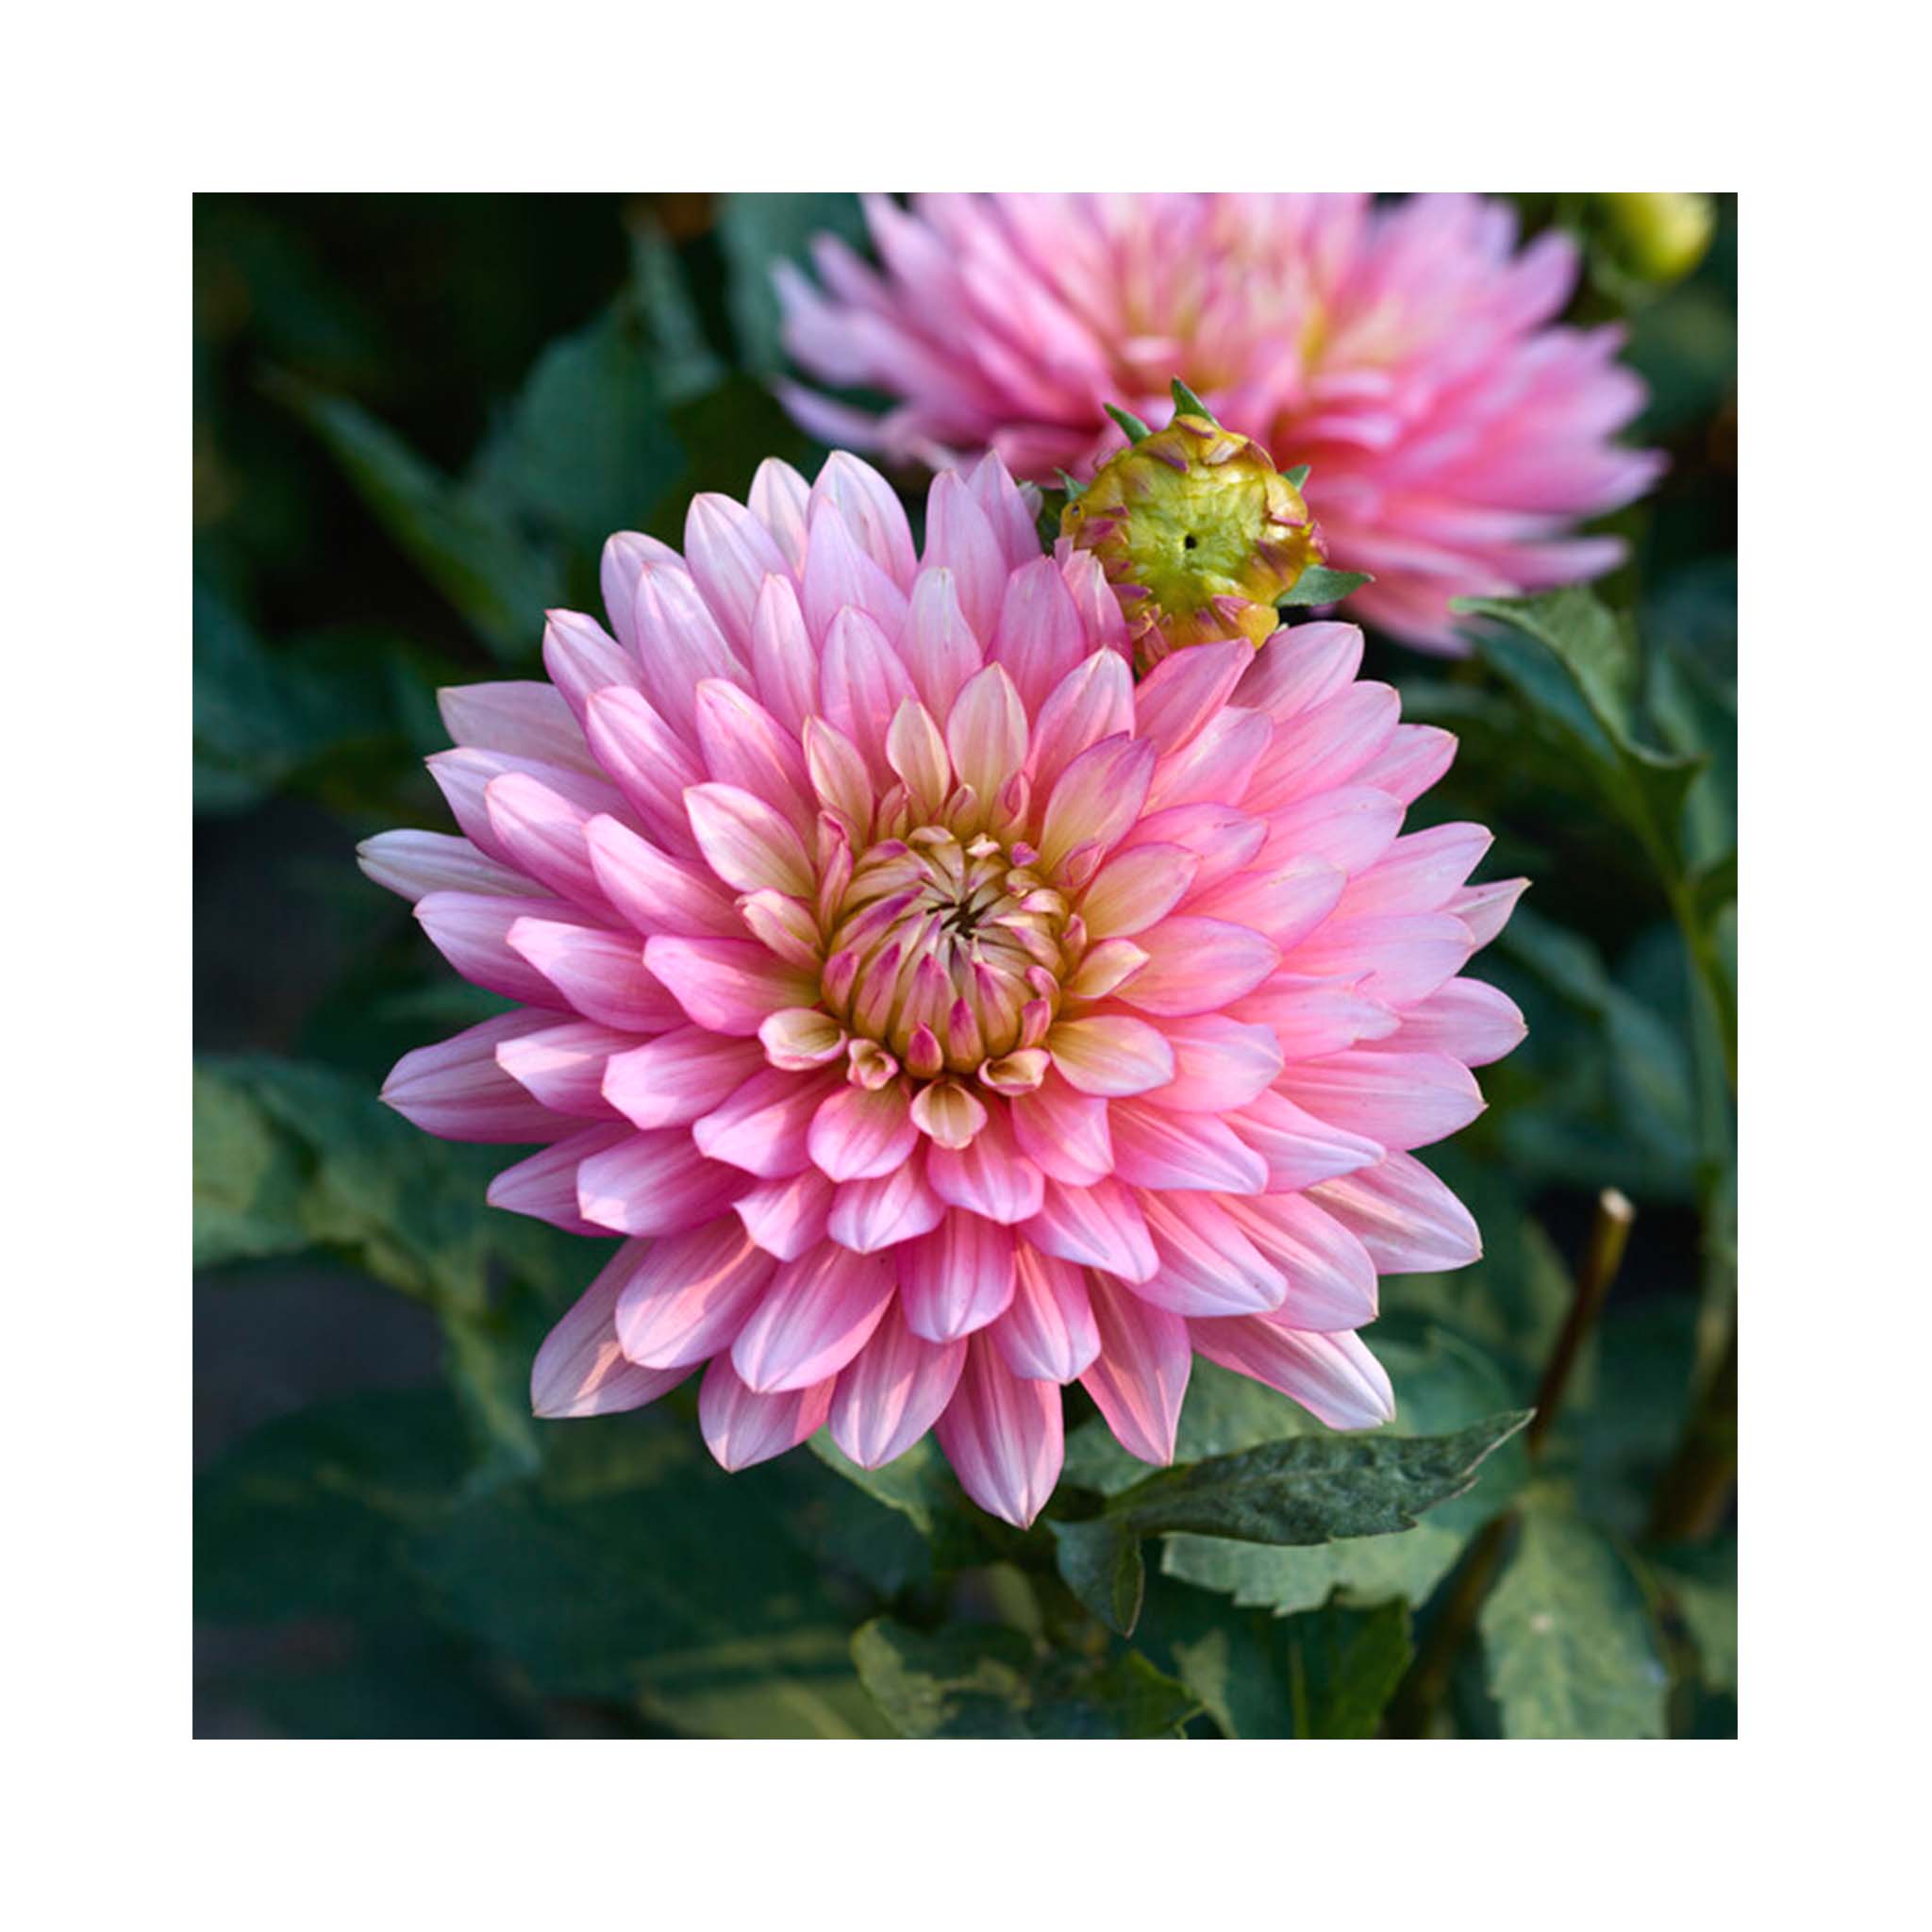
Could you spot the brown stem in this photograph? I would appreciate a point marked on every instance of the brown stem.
(1413, 1713)
(1693, 1496)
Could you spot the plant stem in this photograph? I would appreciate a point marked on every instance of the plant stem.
(1694, 1494)
(1414, 1712)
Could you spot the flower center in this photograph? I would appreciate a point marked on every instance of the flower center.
(948, 951)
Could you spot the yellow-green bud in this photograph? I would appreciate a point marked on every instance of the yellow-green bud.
(1199, 534)
(1659, 237)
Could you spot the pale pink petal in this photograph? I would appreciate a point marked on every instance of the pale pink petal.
(780, 498)
(458, 1087)
(990, 1176)
(1136, 888)
(1419, 872)
(1299, 1149)
(582, 659)
(868, 1216)
(1397, 959)
(542, 833)
(1404, 1100)
(817, 1314)
(871, 512)
(764, 1124)
(563, 1065)
(1405, 1219)
(678, 643)
(1224, 838)
(472, 931)
(864, 682)
(1465, 1018)
(1063, 1133)
(1413, 758)
(1349, 827)
(1331, 1279)
(1110, 1054)
(654, 1183)
(745, 745)
(464, 776)
(986, 733)
(858, 1133)
(1003, 1436)
(650, 764)
(1284, 903)
(624, 557)
(654, 893)
(1209, 1266)
(545, 1186)
(1333, 1377)
(1140, 1373)
(729, 553)
(1325, 746)
(1198, 965)
(839, 576)
(416, 863)
(527, 717)
(1184, 692)
(1486, 909)
(581, 1371)
(1094, 700)
(787, 1217)
(1299, 668)
(686, 1296)
(1099, 1227)
(742, 1426)
(1049, 1333)
(1218, 1063)
(1005, 509)
(1218, 764)
(1312, 1017)
(938, 644)
(957, 1278)
(1039, 637)
(727, 985)
(960, 539)
(893, 1391)
(601, 975)
(748, 843)
(1095, 799)
(674, 1079)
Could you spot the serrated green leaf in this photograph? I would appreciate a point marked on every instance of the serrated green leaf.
(1186, 403)
(1318, 583)
(1135, 430)
(988, 1681)
(466, 546)
(1567, 1637)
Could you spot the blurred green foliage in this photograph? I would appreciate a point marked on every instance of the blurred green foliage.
(417, 417)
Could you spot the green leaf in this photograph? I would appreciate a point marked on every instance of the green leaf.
(1440, 1385)
(988, 1681)
(309, 1515)
(290, 1157)
(466, 548)
(1567, 1637)
(1186, 403)
(1303, 1489)
(1298, 474)
(1070, 487)
(633, 1568)
(1318, 583)
(1575, 664)
(1137, 431)
(921, 1487)
(1701, 1582)
(756, 231)
(1327, 1672)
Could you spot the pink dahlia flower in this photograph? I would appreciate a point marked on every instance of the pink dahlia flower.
(1405, 353)
(942, 1017)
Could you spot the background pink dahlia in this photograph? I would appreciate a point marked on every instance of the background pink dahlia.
(1405, 353)
(942, 1017)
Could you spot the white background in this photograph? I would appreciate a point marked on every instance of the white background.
(116, 116)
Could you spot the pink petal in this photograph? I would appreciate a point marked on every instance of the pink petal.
(678, 643)
(531, 718)
(624, 557)
(871, 512)
(727, 985)
(871, 1215)
(938, 644)
(1325, 746)
(1198, 966)
(581, 657)
(750, 845)
(545, 1186)
(960, 539)
(1099, 1227)
(1299, 668)
(990, 1176)
(1063, 1133)
(729, 553)
(787, 1217)
(839, 576)
(1284, 903)
(1136, 888)
(647, 760)
(1419, 872)
(1218, 764)
(1405, 1219)
(1466, 1020)
(863, 682)
(1224, 838)
(1333, 1377)
(957, 1278)
(686, 1297)
(1310, 1018)
(1486, 909)
(1039, 637)
(601, 973)
(764, 1124)
(1002, 1435)
(1049, 1333)
(1208, 1265)
(1095, 799)
(654, 893)
(1394, 959)
(780, 498)
(1218, 1063)
(563, 1064)
(817, 1314)
(893, 1391)
(860, 1134)
(744, 745)
(416, 863)
(1183, 692)
(785, 664)
(471, 930)
(1094, 700)
(542, 833)
(1110, 1054)
(580, 1370)
(1141, 1371)
(1299, 1149)
(674, 1079)
(742, 1426)
(1413, 758)
(1350, 827)
(654, 1183)
(1404, 1100)
(458, 1089)
(986, 733)
(1331, 1279)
